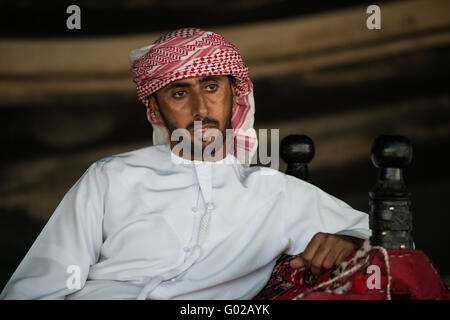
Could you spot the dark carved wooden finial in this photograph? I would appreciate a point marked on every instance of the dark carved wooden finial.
(297, 151)
(390, 214)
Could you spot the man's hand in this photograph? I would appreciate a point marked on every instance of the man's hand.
(324, 251)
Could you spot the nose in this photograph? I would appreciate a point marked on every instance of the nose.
(199, 105)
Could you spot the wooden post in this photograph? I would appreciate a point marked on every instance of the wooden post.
(297, 151)
(390, 214)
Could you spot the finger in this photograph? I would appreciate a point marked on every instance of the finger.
(312, 247)
(342, 255)
(297, 263)
(338, 250)
(330, 259)
(317, 264)
(319, 258)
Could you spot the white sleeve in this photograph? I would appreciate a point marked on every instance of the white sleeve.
(311, 210)
(71, 239)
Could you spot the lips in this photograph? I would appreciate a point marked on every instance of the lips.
(205, 132)
(205, 128)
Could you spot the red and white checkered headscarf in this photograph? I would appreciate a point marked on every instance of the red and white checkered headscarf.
(192, 52)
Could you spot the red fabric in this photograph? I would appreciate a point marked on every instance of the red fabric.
(410, 272)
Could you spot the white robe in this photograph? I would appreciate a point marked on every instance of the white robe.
(131, 226)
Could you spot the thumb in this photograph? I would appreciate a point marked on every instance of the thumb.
(297, 263)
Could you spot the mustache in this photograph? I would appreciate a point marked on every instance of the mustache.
(203, 122)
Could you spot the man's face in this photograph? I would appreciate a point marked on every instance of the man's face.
(207, 99)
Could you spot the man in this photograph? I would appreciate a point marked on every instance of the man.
(168, 223)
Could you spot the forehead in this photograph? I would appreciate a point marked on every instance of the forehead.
(194, 80)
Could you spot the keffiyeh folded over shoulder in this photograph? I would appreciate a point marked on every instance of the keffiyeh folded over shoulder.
(192, 52)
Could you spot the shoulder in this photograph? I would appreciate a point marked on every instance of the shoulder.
(148, 157)
(266, 174)
(265, 180)
(132, 166)
(274, 181)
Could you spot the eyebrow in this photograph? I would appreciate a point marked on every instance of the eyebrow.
(187, 84)
(209, 78)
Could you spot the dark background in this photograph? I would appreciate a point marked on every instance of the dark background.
(49, 137)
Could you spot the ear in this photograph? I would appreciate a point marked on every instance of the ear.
(154, 106)
(233, 92)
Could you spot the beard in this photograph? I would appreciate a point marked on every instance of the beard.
(201, 144)
(205, 142)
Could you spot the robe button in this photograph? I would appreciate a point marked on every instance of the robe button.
(210, 206)
(194, 209)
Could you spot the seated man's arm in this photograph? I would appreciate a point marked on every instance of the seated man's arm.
(321, 228)
(58, 262)
(324, 251)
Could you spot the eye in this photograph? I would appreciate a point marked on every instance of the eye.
(179, 94)
(211, 87)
